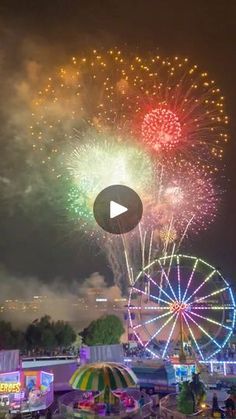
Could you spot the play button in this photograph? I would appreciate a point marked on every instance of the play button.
(118, 209)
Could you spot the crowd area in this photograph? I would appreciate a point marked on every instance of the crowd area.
(227, 354)
(137, 351)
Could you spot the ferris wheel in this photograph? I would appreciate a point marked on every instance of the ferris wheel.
(181, 300)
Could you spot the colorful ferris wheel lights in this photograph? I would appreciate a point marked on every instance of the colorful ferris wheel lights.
(197, 303)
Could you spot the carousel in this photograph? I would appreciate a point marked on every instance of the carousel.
(103, 389)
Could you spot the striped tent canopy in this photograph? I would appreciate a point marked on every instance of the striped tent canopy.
(97, 376)
(107, 396)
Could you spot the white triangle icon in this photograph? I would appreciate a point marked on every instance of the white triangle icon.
(116, 209)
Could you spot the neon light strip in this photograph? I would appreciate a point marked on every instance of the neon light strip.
(227, 338)
(233, 300)
(224, 368)
(211, 320)
(214, 353)
(153, 319)
(149, 295)
(212, 307)
(210, 295)
(168, 272)
(201, 285)
(203, 330)
(151, 352)
(159, 330)
(9, 373)
(232, 296)
(190, 278)
(193, 337)
(178, 276)
(149, 308)
(218, 362)
(129, 313)
(138, 338)
(170, 335)
(155, 283)
(167, 279)
(207, 264)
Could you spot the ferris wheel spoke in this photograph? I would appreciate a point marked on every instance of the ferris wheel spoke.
(222, 346)
(178, 276)
(213, 354)
(211, 295)
(160, 329)
(150, 295)
(168, 281)
(203, 330)
(169, 267)
(201, 285)
(170, 335)
(138, 338)
(163, 291)
(209, 307)
(211, 320)
(190, 278)
(154, 308)
(193, 337)
(152, 320)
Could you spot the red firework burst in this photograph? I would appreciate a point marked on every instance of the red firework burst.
(161, 128)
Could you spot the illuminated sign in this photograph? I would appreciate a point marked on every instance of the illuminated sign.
(10, 387)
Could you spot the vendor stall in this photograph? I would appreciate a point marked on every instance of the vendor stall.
(26, 391)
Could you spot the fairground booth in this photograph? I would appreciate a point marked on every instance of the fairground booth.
(21, 390)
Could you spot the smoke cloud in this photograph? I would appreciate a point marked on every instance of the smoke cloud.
(74, 302)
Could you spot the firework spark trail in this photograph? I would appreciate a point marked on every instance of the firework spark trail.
(185, 231)
(128, 265)
(165, 253)
(150, 248)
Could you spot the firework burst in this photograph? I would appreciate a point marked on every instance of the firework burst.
(155, 125)
(167, 104)
(99, 162)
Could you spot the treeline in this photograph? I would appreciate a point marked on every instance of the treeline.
(45, 335)
(41, 335)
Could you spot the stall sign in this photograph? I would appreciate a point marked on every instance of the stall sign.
(10, 387)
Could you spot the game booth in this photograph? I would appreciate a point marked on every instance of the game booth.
(183, 370)
(25, 391)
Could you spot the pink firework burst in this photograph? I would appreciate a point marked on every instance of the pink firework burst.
(161, 128)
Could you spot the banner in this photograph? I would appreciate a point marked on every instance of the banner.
(9, 360)
(108, 353)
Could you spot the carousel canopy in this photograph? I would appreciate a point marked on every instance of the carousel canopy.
(95, 377)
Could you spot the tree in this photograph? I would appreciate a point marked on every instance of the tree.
(185, 399)
(44, 334)
(6, 340)
(64, 334)
(106, 330)
(10, 338)
(33, 336)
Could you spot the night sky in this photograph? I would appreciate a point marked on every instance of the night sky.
(33, 241)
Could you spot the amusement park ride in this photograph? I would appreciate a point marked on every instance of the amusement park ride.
(182, 309)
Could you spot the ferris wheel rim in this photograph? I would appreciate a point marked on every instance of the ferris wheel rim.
(188, 318)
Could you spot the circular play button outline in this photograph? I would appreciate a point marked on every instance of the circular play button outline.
(117, 209)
